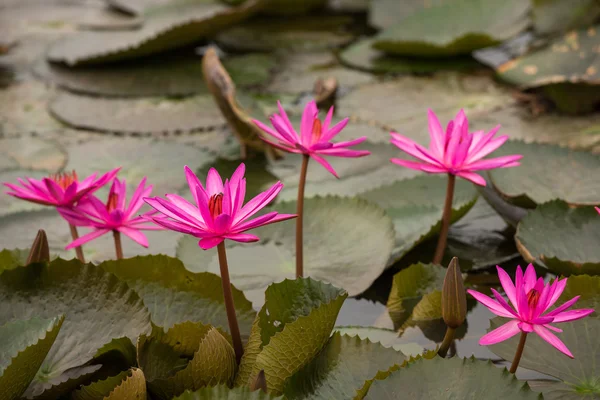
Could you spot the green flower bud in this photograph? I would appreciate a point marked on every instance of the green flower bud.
(454, 297)
(40, 252)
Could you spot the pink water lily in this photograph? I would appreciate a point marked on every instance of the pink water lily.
(113, 216)
(455, 151)
(59, 190)
(315, 136)
(597, 209)
(219, 212)
(531, 300)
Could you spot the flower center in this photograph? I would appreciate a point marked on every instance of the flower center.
(532, 298)
(111, 204)
(316, 130)
(64, 179)
(215, 205)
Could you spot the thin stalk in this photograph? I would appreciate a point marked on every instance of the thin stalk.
(78, 249)
(448, 340)
(118, 247)
(519, 353)
(299, 219)
(447, 214)
(234, 329)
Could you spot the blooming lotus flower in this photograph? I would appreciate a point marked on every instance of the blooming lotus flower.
(531, 299)
(597, 209)
(454, 151)
(219, 212)
(315, 136)
(115, 215)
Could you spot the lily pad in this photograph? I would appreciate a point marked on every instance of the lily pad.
(548, 172)
(585, 286)
(106, 309)
(342, 368)
(222, 392)
(292, 7)
(578, 376)
(551, 16)
(415, 205)
(386, 337)
(561, 238)
(174, 295)
(10, 259)
(386, 13)
(147, 116)
(127, 385)
(461, 26)
(459, 378)
(291, 328)
(333, 228)
(166, 27)
(32, 153)
(25, 344)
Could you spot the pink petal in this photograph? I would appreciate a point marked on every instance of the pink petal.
(350, 143)
(179, 226)
(222, 223)
(507, 285)
(253, 223)
(344, 153)
(472, 177)
(492, 163)
(268, 130)
(529, 279)
(214, 183)
(500, 334)
(184, 205)
(74, 218)
(135, 235)
(331, 133)
(552, 339)
(525, 326)
(285, 118)
(237, 176)
(491, 304)
(283, 147)
(432, 169)
(572, 315)
(284, 134)
(321, 146)
(55, 191)
(328, 119)
(436, 133)
(209, 243)
(414, 149)
(192, 181)
(486, 145)
(257, 203)
(242, 237)
(137, 200)
(564, 306)
(561, 284)
(503, 302)
(306, 124)
(87, 238)
(325, 164)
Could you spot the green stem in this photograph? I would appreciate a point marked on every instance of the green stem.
(448, 340)
(78, 249)
(234, 328)
(299, 219)
(519, 353)
(446, 216)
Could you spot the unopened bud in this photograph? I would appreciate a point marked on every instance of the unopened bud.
(454, 297)
(260, 382)
(40, 252)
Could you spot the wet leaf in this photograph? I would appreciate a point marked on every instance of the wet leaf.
(551, 16)
(293, 7)
(386, 337)
(32, 153)
(223, 392)
(10, 259)
(386, 13)
(585, 286)
(127, 385)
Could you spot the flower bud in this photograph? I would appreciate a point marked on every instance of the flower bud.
(260, 382)
(454, 297)
(40, 252)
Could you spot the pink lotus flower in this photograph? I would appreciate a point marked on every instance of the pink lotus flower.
(597, 209)
(59, 190)
(115, 215)
(315, 137)
(455, 151)
(530, 299)
(219, 212)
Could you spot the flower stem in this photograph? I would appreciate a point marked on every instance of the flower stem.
(299, 219)
(118, 247)
(519, 353)
(78, 249)
(447, 214)
(234, 329)
(448, 340)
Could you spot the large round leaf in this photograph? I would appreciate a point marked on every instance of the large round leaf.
(24, 346)
(347, 242)
(174, 295)
(587, 288)
(548, 172)
(386, 337)
(291, 7)
(386, 13)
(32, 153)
(454, 378)
(98, 308)
(415, 205)
(550, 16)
(222, 392)
(561, 238)
(127, 385)
(461, 26)
(10, 259)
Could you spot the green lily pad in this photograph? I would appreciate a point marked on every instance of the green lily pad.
(107, 309)
(578, 376)
(361, 55)
(25, 344)
(32, 153)
(386, 337)
(127, 385)
(109, 19)
(188, 356)
(386, 13)
(551, 16)
(291, 328)
(165, 27)
(292, 7)
(223, 392)
(147, 116)
(311, 33)
(174, 295)
(137, 7)
(561, 238)
(352, 263)
(342, 368)
(156, 76)
(459, 378)
(461, 26)
(585, 286)
(415, 205)
(10, 259)
(547, 172)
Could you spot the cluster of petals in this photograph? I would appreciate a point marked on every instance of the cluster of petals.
(315, 136)
(531, 299)
(60, 190)
(219, 212)
(455, 151)
(114, 215)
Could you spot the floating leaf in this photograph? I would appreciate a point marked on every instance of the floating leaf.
(127, 385)
(106, 309)
(461, 26)
(174, 295)
(415, 205)
(548, 172)
(551, 16)
(108, 19)
(290, 330)
(386, 337)
(166, 27)
(164, 359)
(24, 346)
(333, 228)
(342, 368)
(223, 392)
(561, 238)
(441, 379)
(32, 153)
(293, 7)
(585, 286)
(386, 13)
(10, 259)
